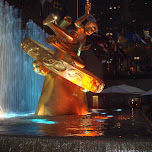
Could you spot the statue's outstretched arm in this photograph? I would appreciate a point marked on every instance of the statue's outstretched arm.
(59, 31)
(62, 33)
(79, 21)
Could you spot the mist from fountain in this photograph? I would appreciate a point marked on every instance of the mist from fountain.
(20, 87)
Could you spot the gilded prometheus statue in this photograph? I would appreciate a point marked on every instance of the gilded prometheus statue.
(61, 67)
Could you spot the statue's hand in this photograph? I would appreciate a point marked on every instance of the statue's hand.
(68, 19)
(51, 18)
(88, 8)
(39, 68)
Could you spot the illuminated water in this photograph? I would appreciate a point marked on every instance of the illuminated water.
(104, 123)
(20, 87)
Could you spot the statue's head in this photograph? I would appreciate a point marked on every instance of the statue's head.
(90, 27)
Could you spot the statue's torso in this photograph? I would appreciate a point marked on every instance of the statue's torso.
(76, 45)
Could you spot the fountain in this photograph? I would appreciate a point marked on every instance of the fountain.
(20, 86)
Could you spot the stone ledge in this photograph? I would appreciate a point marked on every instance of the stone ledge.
(76, 144)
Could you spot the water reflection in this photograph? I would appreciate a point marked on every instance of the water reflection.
(105, 123)
(74, 126)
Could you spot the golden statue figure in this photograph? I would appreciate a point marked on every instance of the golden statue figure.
(62, 91)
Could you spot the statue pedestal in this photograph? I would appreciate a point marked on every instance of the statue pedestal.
(61, 97)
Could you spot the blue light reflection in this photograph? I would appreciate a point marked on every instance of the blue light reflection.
(95, 111)
(109, 115)
(12, 115)
(103, 113)
(118, 110)
(44, 121)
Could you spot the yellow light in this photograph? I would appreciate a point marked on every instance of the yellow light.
(95, 101)
(55, 17)
(147, 31)
(136, 58)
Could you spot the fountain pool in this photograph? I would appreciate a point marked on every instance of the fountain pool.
(98, 123)
(101, 130)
